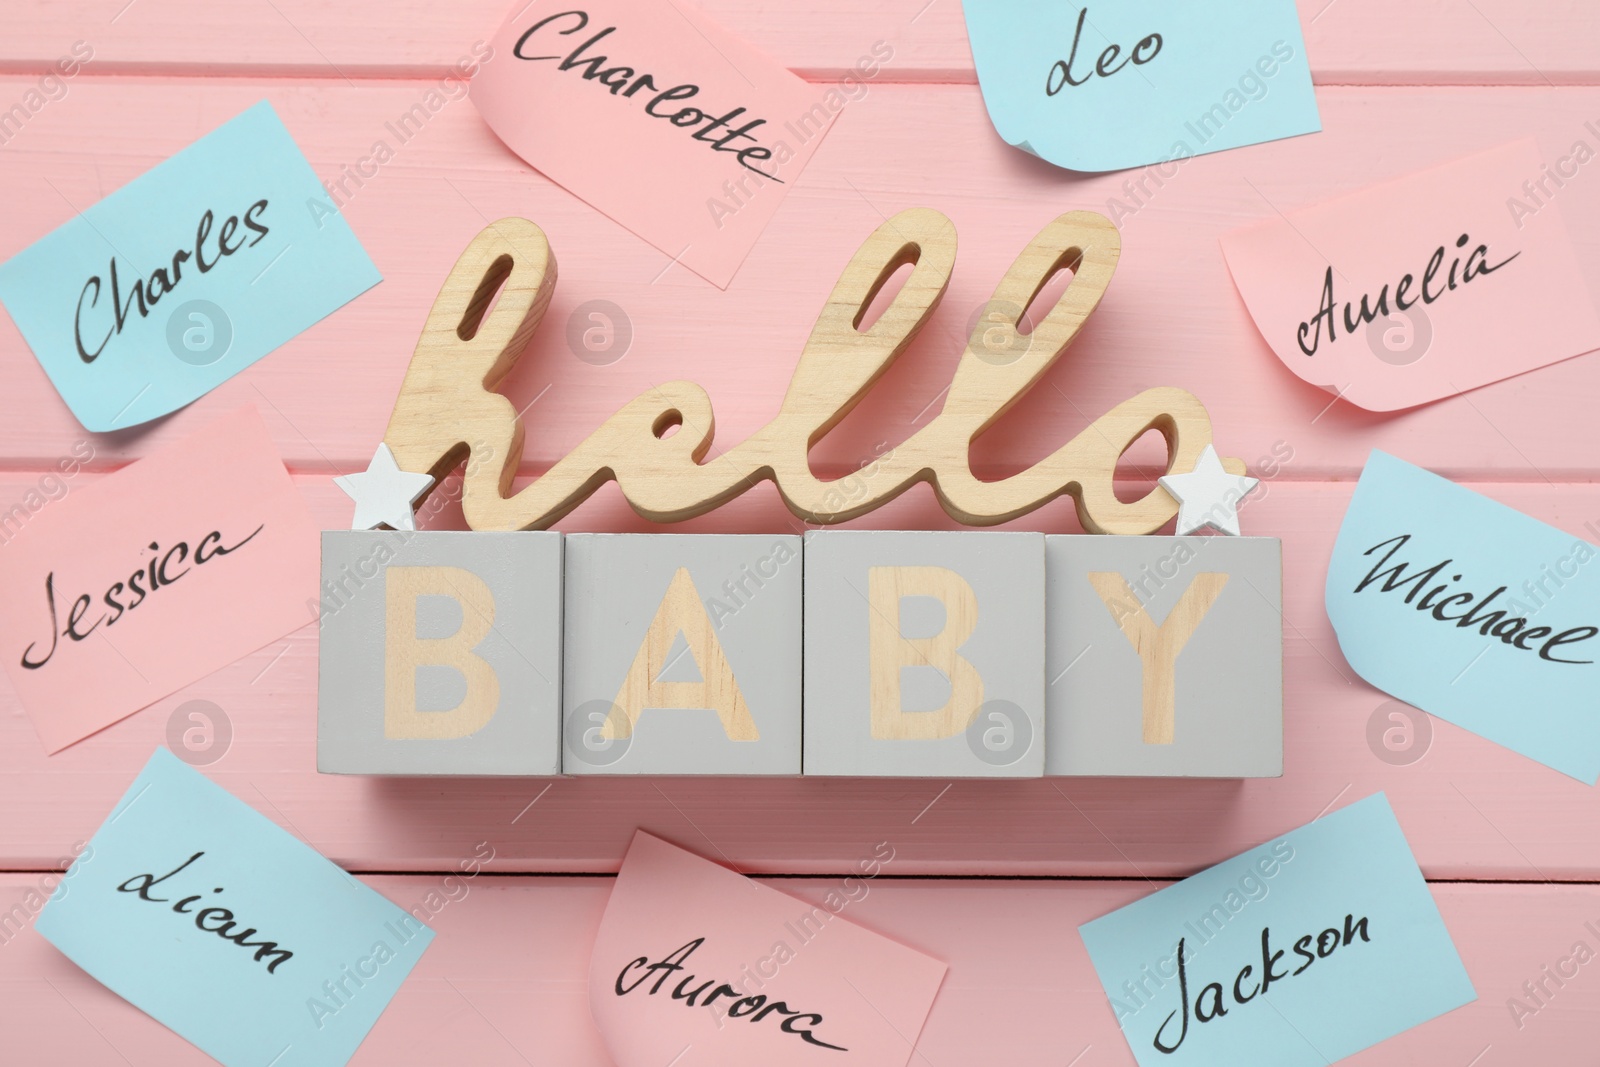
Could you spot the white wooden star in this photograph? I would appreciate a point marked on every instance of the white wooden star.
(384, 494)
(1208, 495)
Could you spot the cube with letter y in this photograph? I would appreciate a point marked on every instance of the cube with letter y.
(924, 654)
(441, 653)
(682, 654)
(1165, 656)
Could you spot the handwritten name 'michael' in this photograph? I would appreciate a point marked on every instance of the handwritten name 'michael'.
(1511, 629)
(717, 131)
(1477, 264)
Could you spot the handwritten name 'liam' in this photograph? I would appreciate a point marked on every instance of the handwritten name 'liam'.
(219, 921)
(1354, 319)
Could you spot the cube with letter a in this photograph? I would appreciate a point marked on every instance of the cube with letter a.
(441, 653)
(1165, 656)
(924, 654)
(682, 654)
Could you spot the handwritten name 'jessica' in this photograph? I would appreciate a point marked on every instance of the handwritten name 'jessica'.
(161, 569)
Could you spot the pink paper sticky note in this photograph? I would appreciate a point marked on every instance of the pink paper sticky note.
(138, 584)
(1422, 287)
(656, 116)
(691, 955)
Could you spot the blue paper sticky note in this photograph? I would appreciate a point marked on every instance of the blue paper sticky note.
(185, 276)
(1121, 83)
(1471, 611)
(1295, 954)
(201, 912)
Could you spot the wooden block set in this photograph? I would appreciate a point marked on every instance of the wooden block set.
(511, 650)
(841, 653)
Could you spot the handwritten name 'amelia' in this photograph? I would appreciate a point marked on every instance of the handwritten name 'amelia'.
(1477, 264)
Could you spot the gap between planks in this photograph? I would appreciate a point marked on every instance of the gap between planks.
(881, 877)
(380, 77)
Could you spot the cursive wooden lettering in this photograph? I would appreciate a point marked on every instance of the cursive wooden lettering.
(447, 405)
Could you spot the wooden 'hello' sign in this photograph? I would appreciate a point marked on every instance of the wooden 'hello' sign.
(447, 404)
(511, 650)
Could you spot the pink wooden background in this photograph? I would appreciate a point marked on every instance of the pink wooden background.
(992, 876)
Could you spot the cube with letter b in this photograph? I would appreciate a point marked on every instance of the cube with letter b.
(924, 654)
(682, 654)
(441, 653)
(1165, 656)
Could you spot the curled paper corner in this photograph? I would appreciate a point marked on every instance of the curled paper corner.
(1327, 284)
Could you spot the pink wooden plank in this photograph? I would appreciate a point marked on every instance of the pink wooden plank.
(1172, 316)
(1349, 41)
(504, 983)
(1474, 810)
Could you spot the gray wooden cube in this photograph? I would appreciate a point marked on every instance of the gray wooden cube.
(441, 653)
(1165, 656)
(682, 654)
(924, 654)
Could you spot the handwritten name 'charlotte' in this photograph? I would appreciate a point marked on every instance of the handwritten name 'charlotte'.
(717, 131)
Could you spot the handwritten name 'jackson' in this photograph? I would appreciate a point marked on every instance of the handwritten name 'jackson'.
(1477, 264)
(718, 131)
(1209, 1003)
(1511, 629)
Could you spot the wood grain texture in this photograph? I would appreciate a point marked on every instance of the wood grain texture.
(449, 412)
(1171, 316)
(681, 612)
(1471, 808)
(1158, 646)
(1402, 86)
(505, 981)
(1349, 41)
